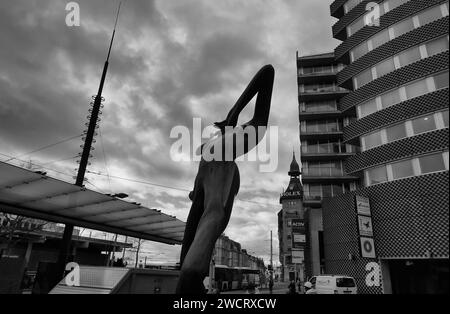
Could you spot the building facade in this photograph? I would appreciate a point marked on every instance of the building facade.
(396, 66)
(291, 228)
(322, 146)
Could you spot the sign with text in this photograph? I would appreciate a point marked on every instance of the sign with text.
(298, 256)
(365, 226)
(296, 224)
(299, 238)
(362, 205)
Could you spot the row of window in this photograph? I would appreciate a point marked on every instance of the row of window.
(430, 122)
(384, 7)
(425, 17)
(406, 92)
(403, 59)
(319, 106)
(326, 190)
(421, 165)
(333, 68)
(321, 126)
(324, 168)
(327, 147)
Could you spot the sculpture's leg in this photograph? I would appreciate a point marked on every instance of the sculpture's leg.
(195, 214)
(220, 182)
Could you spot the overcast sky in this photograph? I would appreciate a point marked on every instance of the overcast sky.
(172, 60)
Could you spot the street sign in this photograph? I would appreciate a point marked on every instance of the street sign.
(367, 247)
(365, 226)
(362, 205)
(299, 238)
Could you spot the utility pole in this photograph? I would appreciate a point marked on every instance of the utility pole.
(63, 257)
(271, 256)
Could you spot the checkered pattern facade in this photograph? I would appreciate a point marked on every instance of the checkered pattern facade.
(410, 220)
(410, 216)
(408, 9)
(425, 104)
(413, 38)
(407, 147)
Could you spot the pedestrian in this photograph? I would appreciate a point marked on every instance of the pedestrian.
(270, 285)
(291, 287)
(309, 288)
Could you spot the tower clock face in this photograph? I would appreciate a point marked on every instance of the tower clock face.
(291, 187)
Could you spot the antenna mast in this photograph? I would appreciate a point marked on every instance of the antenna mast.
(88, 138)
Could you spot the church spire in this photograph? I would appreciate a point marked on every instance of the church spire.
(294, 170)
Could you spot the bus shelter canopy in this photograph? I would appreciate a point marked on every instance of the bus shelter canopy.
(34, 194)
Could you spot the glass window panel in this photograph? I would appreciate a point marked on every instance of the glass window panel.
(307, 70)
(396, 132)
(395, 3)
(332, 126)
(431, 163)
(385, 67)
(373, 140)
(315, 190)
(441, 80)
(409, 56)
(445, 117)
(377, 175)
(368, 108)
(326, 190)
(403, 169)
(356, 26)
(322, 126)
(390, 98)
(437, 46)
(380, 39)
(430, 15)
(363, 78)
(403, 27)
(360, 51)
(311, 126)
(337, 189)
(416, 89)
(423, 124)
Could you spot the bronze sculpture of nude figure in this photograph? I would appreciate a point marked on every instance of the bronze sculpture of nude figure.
(216, 186)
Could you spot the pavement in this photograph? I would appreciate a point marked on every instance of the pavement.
(278, 288)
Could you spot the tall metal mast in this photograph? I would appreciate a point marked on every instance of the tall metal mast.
(88, 140)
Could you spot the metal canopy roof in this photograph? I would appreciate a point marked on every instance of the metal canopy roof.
(33, 194)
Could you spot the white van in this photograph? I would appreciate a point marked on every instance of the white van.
(333, 284)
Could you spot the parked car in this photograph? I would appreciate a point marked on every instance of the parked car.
(331, 284)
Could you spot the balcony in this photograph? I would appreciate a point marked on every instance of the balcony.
(319, 134)
(308, 93)
(317, 175)
(312, 201)
(320, 154)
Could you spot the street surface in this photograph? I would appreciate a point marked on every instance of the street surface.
(278, 288)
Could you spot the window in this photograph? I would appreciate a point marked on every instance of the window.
(431, 163)
(409, 56)
(368, 108)
(380, 39)
(377, 175)
(315, 190)
(360, 51)
(441, 80)
(356, 26)
(437, 46)
(337, 189)
(430, 15)
(416, 89)
(403, 27)
(390, 98)
(395, 3)
(402, 169)
(326, 190)
(363, 78)
(385, 67)
(423, 124)
(445, 118)
(396, 132)
(372, 140)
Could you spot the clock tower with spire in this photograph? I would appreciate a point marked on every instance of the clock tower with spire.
(291, 227)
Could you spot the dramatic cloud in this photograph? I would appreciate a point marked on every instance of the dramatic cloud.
(171, 61)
